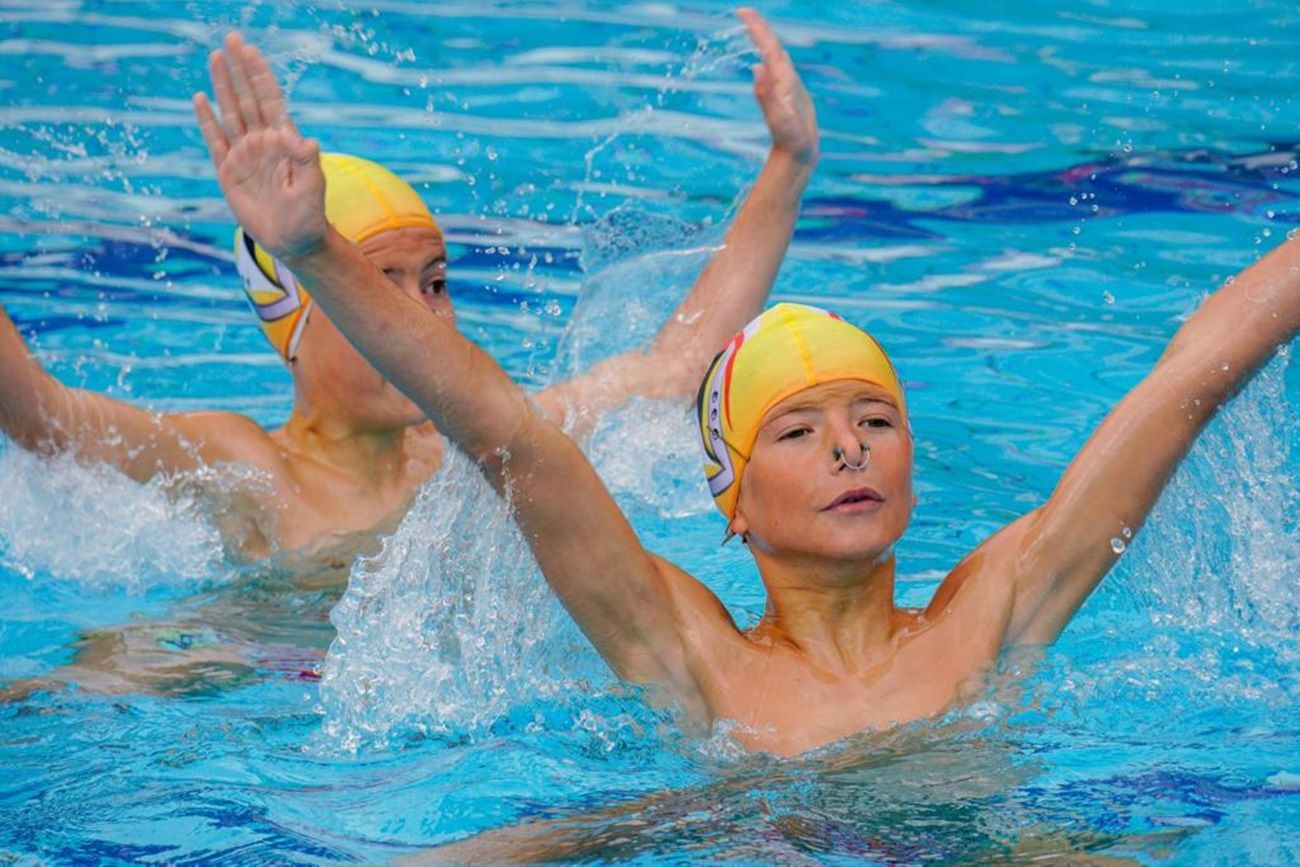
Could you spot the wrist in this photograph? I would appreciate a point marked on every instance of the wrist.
(798, 164)
(791, 170)
(314, 254)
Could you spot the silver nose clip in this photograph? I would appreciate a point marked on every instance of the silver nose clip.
(863, 459)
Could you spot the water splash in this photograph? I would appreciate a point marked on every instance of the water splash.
(447, 627)
(1232, 518)
(649, 452)
(1216, 574)
(92, 525)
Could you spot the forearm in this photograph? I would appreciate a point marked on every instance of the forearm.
(1238, 328)
(733, 287)
(460, 387)
(1112, 485)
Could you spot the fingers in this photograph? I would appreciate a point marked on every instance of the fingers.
(266, 90)
(213, 134)
(229, 108)
(236, 66)
(763, 37)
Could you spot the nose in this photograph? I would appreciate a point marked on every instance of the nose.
(848, 451)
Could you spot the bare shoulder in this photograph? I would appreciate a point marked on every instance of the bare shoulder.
(218, 436)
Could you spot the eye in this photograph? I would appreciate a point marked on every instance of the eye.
(794, 434)
(877, 422)
(435, 287)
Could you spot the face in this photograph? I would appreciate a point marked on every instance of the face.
(331, 371)
(798, 498)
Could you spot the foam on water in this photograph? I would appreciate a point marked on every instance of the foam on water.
(92, 525)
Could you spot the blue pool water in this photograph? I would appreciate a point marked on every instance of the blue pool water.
(1021, 202)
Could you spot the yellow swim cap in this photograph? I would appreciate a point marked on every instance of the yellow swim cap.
(783, 351)
(362, 199)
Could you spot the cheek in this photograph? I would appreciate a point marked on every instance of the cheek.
(767, 494)
(340, 362)
(442, 307)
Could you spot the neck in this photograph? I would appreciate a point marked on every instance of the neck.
(841, 616)
(375, 457)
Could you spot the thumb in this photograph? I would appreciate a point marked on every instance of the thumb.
(306, 150)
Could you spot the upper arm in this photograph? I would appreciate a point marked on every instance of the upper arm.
(633, 606)
(1064, 548)
(139, 442)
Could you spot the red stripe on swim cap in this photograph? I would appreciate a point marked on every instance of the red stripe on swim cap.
(726, 377)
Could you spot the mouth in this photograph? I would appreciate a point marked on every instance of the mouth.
(856, 497)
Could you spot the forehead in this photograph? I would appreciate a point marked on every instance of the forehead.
(830, 394)
(412, 241)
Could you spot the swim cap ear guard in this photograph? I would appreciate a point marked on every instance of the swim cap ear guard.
(783, 351)
(362, 199)
(274, 294)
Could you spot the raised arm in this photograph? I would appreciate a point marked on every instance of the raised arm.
(623, 598)
(733, 287)
(41, 414)
(1062, 550)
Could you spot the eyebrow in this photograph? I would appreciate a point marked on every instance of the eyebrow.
(808, 406)
(432, 263)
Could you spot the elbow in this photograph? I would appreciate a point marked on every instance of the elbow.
(28, 424)
(498, 451)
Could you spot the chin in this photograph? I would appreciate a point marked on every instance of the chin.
(853, 549)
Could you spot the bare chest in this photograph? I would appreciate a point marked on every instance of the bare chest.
(780, 702)
(313, 509)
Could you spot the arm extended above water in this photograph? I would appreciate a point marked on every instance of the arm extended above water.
(41, 414)
(1064, 548)
(734, 285)
(625, 599)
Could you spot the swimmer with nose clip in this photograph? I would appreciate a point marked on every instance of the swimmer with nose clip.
(833, 654)
(864, 458)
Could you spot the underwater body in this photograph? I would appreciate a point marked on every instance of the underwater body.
(1021, 207)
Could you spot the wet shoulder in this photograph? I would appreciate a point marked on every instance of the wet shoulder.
(228, 437)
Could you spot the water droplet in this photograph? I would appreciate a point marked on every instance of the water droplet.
(1118, 545)
(1126, 532)
(1107, 298)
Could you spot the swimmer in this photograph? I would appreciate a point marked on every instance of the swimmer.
(347, 463)
(810, 455)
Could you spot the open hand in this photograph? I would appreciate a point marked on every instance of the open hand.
(786, 105)
(269, 173)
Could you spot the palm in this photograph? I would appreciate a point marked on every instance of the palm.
(276, 196)
(269, 174)
(786, 106)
